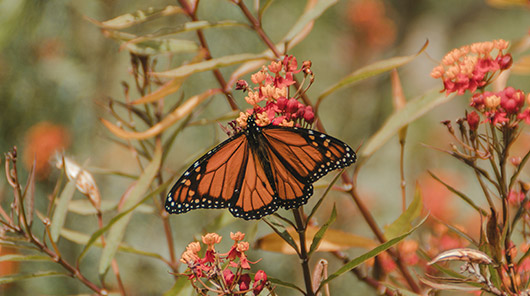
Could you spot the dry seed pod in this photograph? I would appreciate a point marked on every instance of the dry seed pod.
(463, 254)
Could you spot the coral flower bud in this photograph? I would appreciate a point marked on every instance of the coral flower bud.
(258, 77)
(281, 103)
(260, 279)
(504, 61)
(244, 282)
(194, 247)
(516, 160)
(309, 115)
(229, 276)
(473, 120)
(292, 106)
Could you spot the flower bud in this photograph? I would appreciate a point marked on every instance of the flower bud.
(281, 103)
(309, 115)
(244, 282)
(292, 106)
(473, 119)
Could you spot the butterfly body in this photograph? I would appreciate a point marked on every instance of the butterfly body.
(258, 170)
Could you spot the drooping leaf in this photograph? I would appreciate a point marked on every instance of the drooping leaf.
(176, 115)
(412, 111)
(24, 276)
(372, 253)
(59, 215)
(85, 208)
(404, 222)
(117, 231)
(279, 282)
(162, 46)
(322, 231)
(371, 70)
(280, 229)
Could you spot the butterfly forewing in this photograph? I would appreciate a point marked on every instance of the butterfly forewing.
(308, 153)
(211, 181)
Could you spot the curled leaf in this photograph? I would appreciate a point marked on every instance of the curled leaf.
(463, 254)
(84, 181)
(169, 120)
(130, 19)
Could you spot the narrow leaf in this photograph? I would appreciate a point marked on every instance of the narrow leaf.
(17, 277)
(281, 231)
(130, 19)
(374, 252)
(320, 234)
(308, 18)
(117, 231)
(370, 71)
(161, 46)
(208, 65)
(168, 88)
(167, 122)
(279, 282)
(59, 215)
(333, 240)
(118, 217)
(412, 111)
(178, 286)
(19, 257)
(404, 222)
(460, 194)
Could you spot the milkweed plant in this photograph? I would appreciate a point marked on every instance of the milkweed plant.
(421, 250)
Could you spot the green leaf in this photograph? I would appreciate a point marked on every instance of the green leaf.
(460, 194)
(117, 218)
(130, 19)
(281, 231)
(162, 46)
(279, 282)
(82, 239)
(117, 231)
(18, 257)
(17, 277)
(178, 286)
(320, 234)
(412, 111)
(85, 208)
(59, 215)
(308, 17)
(370, 71)
(404, 222)
(374, 252)
(208, 65)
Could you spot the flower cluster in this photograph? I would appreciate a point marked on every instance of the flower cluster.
(272, 91)
(506, 106)
(472, 66)
(226, 273)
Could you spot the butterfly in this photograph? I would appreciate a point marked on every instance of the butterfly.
(258, 170)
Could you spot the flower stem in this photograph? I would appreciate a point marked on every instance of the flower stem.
(304, 256)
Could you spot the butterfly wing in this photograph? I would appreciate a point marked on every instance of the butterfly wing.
(301, 156)
(258, 196)
(213, 180)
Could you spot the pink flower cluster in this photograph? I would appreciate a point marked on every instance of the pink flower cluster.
(272, 88)
(498, 108)
(472, 66)
(226, 272)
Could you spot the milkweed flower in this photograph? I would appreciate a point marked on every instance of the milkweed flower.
(272, 87)
(472, 66)
(227, 273)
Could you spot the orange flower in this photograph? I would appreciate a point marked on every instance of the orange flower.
(42, 141)
(211, 239)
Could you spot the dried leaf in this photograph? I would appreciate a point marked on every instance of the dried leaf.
(462, 254)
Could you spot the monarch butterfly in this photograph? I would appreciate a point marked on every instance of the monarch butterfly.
(258, 170)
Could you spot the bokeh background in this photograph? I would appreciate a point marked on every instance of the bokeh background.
(57, 71)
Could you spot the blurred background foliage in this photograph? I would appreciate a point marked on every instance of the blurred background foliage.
(57, 70)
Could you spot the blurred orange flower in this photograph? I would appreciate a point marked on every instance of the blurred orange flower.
(369, 18)
(41, 142)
